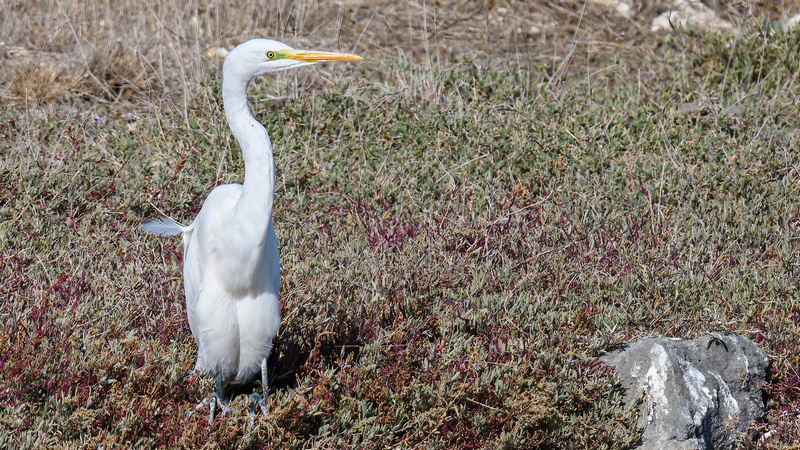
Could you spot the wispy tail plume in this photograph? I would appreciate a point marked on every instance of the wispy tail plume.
(163, 226)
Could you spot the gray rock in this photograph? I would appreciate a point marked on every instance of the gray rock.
(692, 13)
(792, 22)
(624, 8)
(698, 394)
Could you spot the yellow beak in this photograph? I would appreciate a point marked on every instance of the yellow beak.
(311, 56)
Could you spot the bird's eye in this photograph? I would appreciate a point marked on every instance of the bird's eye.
(270, 55)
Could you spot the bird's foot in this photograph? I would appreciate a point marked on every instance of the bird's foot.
(213, 401)
(261, 401)
(199, 406)
(254, 398)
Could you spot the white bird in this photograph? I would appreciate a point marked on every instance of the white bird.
(230, 264)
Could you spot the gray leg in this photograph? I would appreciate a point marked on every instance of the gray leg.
(261, 400)
(212, 406)
(254, 398)
(264, 386)
(215, 399)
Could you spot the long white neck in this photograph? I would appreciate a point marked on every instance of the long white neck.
(253, 212)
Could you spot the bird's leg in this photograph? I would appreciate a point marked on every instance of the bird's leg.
(261, 400)
(264, 385)
(254, 398)
(215, 398)
(212, 406)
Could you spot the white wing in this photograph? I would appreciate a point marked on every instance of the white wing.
(197, 258)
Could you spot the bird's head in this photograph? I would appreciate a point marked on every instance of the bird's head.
(260, 56)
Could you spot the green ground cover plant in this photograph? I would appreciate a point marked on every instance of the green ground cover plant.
(459, 243)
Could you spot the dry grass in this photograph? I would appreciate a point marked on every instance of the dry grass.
(107, 51)
(500, 193)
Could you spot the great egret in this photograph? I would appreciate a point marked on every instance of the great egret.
(230, 264)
